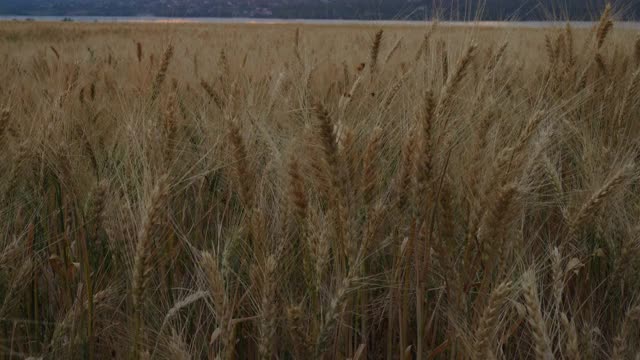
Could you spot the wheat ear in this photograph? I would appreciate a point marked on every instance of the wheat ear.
(604, 27)
(633, 90)
(142, 266)
(490, 318)
(298, 332)
(331, 318)
(240, 157)
(370, 170)
(162, 72)
(266, 345)
(542, 344)
(5, 115)
(454, 80)
(620, 341)
(594, 202)
(297, 193)
(139, 51)
(572, 348)
(636, 52)
(375, 51)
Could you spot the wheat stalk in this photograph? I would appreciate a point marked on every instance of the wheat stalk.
(393, 50)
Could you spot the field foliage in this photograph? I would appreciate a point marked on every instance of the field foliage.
(185, 191)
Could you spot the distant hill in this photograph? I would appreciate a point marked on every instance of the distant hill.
(328, 9)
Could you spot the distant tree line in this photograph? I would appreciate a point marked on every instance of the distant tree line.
(332, 9)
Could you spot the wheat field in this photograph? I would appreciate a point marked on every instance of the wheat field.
(194, 191)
